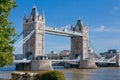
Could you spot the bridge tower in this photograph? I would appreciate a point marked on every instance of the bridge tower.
(34, 47)
(118, 59)
(79, 44)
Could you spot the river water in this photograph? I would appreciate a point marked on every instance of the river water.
(92, 74)
(111, 73)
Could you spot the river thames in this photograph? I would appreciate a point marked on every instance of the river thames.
(109, 73)
(92, 74)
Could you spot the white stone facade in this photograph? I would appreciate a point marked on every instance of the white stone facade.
(79, 44)
(35, 45)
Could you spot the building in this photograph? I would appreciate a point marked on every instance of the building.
(65, 54)
(109, 54)
(53, 55)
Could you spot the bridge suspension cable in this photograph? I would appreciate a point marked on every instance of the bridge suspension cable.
(100, 58)
(95, 53)
(66, 27)
(20, 43)
(112, 59)
(16, 38)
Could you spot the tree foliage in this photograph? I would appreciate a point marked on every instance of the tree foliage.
(50, 75)
(6, 32)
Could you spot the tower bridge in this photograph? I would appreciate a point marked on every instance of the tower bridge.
(34, 30)
(34, 46)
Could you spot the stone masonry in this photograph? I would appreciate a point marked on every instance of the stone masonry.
(79, 47)
(79, 44)
(118, 59)
(35, 45)
(33, 49)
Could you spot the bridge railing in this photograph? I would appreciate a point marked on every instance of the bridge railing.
(113, 59)
(61, 30)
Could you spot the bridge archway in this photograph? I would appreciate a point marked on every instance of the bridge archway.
(29, 55)
(56, 44)
(77, 56)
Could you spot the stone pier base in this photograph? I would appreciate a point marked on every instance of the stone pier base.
(41, 65)
(118, 59)
(88, 64)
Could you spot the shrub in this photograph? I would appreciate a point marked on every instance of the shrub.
(43, 75)
(50, 75)
(26, 76)
(15, 76)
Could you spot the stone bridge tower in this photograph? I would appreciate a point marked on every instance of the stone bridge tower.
(118, 59)
(79, 44)
(34, 47)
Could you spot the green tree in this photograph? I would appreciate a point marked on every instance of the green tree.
(6, 32)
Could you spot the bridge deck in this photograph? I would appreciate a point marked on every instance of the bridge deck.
(21, 61)
(60, 32)
(58, 61)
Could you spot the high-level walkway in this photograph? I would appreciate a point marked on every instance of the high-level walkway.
(61, 32)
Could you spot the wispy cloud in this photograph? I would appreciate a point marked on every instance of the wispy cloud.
(115, 10)
(99, 29)
(112, 42)
(104, 29)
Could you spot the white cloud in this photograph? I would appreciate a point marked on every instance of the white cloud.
(115, 10)
(99, 29)
(104, 29)
(112, 30)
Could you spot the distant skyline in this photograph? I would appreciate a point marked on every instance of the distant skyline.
(101, 16)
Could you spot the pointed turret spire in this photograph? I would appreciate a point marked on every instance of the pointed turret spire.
(34, 11)
(79, 21)
(79, 25)
(25, 15)
(43, 14)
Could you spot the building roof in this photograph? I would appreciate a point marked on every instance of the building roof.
(34, 11)
(79, 25)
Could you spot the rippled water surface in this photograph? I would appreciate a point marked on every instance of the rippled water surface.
(92, 74)
(83, 74)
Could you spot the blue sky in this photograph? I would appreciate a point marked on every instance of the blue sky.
(101, 16)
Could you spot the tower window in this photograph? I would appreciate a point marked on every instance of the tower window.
(39, 44)
(39, 28)
(39, 52)
(26, 20)
(38, 17)
(33, 18)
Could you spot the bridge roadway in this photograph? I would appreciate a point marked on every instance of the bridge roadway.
(61, 32)
(58, 61)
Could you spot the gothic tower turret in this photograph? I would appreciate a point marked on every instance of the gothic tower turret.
(34, 47)
(79, 44)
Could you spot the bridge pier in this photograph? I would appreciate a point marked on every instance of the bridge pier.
(35, 65)
(118, 59)
(88, 63)
(23, 66)
(41, 65)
